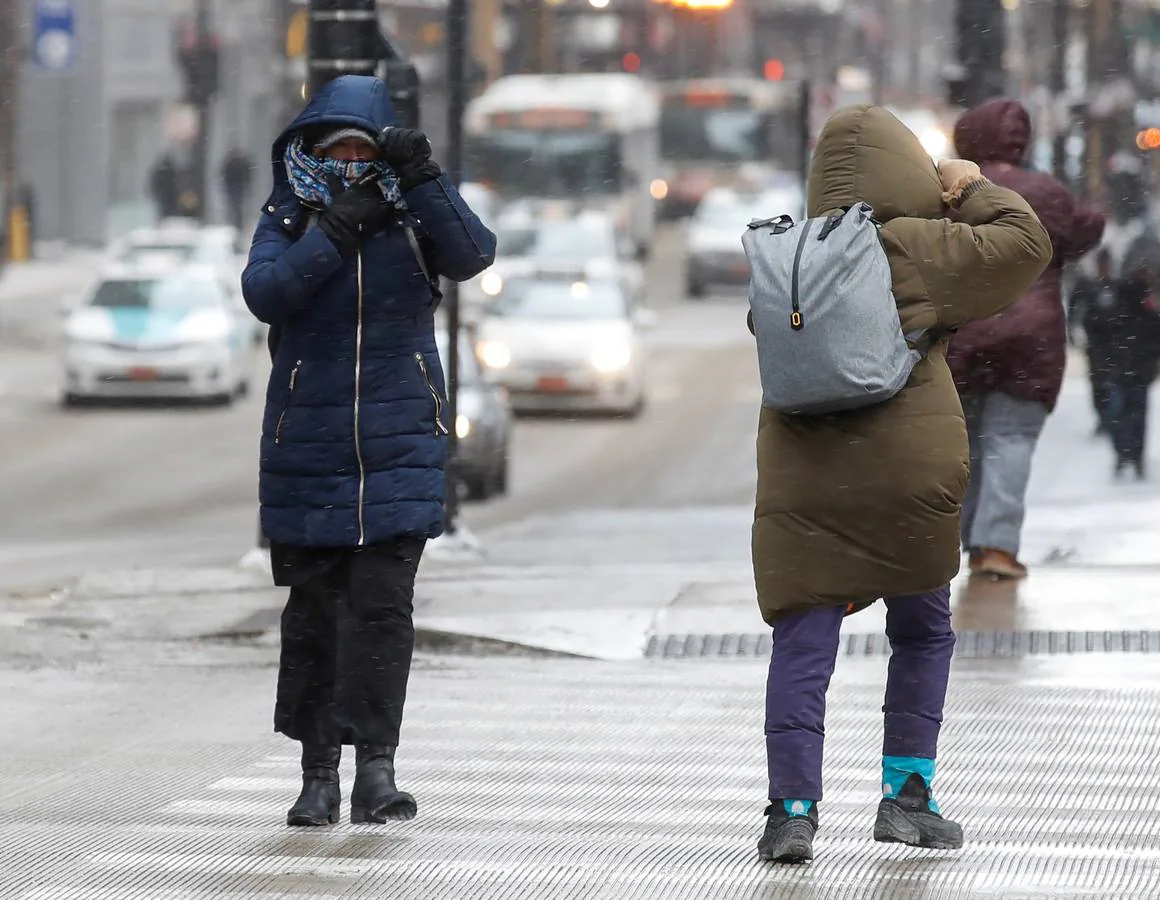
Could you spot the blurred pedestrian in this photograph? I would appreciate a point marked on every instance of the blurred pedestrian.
(1134, 336)
(861, 505)
(165, 186)
(1009, 368)
(237, 175)
(354, 433)
(1091, 304)
(1133, 252)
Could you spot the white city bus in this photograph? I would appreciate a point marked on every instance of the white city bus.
(591, 141)
(725, 132)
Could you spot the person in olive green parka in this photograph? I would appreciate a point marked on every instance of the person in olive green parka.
(865, 505)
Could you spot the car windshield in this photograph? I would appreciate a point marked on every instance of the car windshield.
(157, 294)
(515, 240)
(560, 300)
(574, 240)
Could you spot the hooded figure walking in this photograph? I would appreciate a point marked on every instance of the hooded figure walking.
(1009, 368)
(862, 505)
(353, 436)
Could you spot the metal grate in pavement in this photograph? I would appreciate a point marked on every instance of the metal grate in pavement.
(971, 644)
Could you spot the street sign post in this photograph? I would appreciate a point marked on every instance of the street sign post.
(53, 34)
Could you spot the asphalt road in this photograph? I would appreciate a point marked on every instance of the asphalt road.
(153, 486)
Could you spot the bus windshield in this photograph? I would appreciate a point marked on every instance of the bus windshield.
(547, 163)
(727, 132)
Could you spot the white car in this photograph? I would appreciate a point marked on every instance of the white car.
(713, 251)
(561, 345)
(584, 247)
(179, 333)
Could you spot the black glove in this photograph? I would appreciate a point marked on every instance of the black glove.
(408, 152)
(352, 213)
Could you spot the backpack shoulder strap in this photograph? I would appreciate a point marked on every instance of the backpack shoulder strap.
(417, 248)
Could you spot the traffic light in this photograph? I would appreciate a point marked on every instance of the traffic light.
(773, 70)
(345, 39)
(199, 57)
(982, 39)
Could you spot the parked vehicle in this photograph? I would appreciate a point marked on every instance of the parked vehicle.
(558, 344)
(483, 424)
(179, 333)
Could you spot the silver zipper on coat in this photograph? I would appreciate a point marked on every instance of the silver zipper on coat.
(421, 362)
(289, 398)
(362, 472)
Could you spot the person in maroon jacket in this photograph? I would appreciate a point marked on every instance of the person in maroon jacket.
(1009, 368)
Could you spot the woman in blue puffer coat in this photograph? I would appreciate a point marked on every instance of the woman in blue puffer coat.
(342, 267)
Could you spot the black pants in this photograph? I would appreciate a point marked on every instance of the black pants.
(1130, 419)
(347, 640)
(1102, 386)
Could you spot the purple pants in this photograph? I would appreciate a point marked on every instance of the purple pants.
(805, 647)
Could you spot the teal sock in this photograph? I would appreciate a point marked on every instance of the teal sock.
(798, 807)
(897, 769)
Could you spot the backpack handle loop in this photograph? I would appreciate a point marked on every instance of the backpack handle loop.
(781, 224)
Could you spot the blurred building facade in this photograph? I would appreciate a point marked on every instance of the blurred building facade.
(89, 135)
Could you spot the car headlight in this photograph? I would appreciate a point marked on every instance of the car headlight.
(495, 354)
(659, 189)
(462, 426)
(611, 358)
(203, 329)
(491, 284)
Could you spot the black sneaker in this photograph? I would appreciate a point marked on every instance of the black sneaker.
(908, 819)
(787, 839)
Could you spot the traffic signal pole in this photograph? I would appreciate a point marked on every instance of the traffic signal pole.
(457, 36)
(202, 105)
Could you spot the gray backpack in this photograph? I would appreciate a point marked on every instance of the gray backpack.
(828, 334)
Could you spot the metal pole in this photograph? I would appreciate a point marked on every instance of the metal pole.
(457, 31)
(805, 112)
(201, 142)
(1061, 33)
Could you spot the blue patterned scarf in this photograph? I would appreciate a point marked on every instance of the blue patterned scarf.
(310, 176)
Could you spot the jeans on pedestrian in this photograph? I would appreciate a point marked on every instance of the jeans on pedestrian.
(805, 648)
(1129, 419)
(347, 642)
(1002, 431)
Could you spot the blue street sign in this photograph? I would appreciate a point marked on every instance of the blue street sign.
(54, 34)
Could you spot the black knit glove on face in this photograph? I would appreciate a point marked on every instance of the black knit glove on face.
(408, 152)
(354, 212)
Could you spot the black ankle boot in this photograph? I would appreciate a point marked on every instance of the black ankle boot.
(375, 797)
(909, 819)
(318, 804)
(788, 839)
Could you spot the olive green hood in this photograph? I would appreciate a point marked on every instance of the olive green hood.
(866, 154)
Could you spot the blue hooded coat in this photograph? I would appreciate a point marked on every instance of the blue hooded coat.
(353, 436)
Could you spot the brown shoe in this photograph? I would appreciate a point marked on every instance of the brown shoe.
(999, 564)
(974, 560)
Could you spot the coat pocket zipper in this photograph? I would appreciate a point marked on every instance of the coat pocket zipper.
(289, 398)
(421, 362)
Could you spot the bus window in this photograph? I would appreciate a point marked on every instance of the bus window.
(718, 133)
(547, 163)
